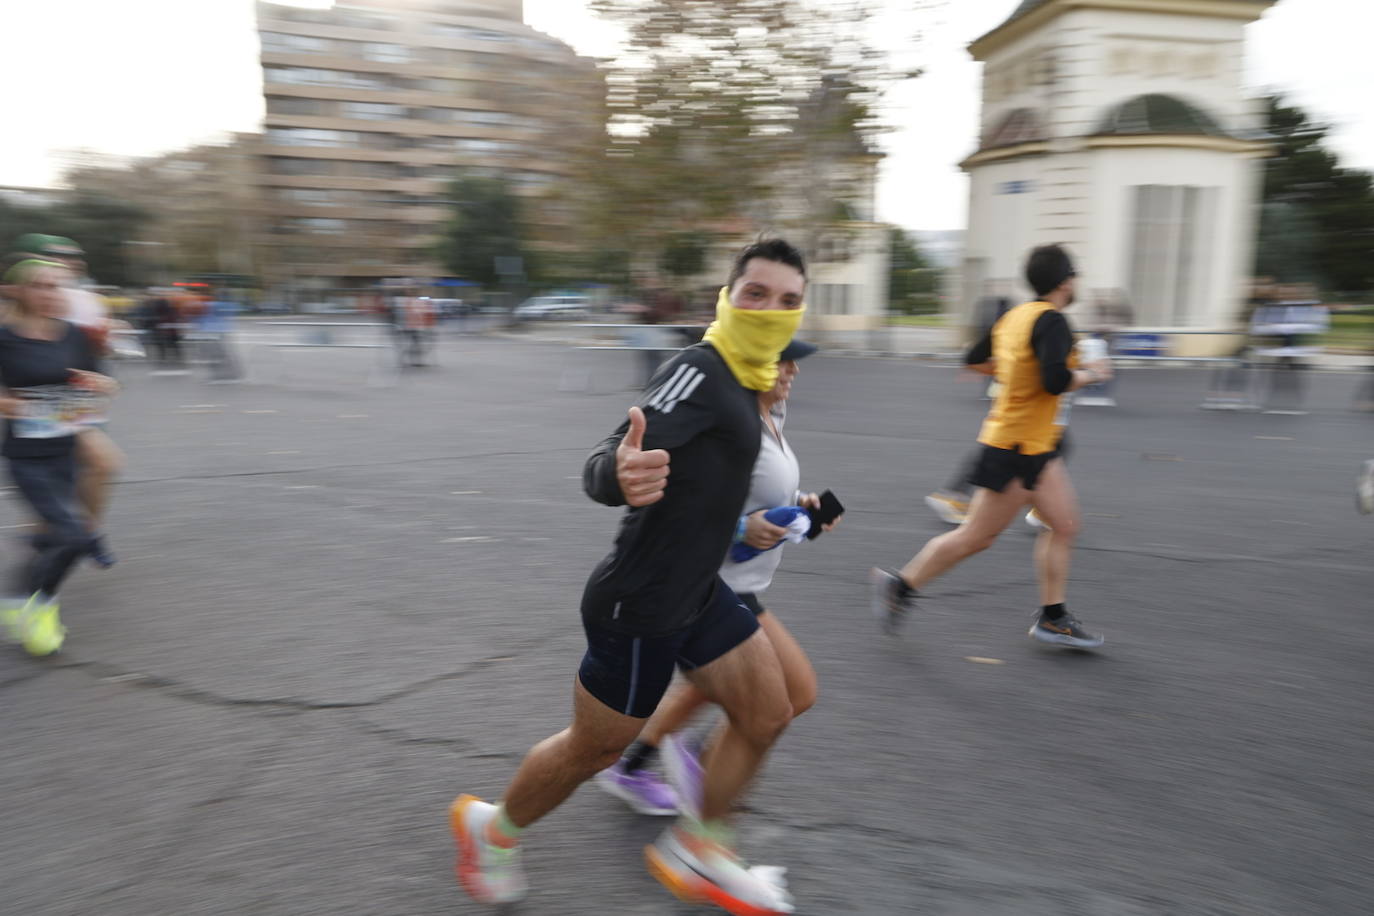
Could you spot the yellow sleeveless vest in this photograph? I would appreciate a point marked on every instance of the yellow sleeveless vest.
(1024, 415)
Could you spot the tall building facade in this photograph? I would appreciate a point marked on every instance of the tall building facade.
(372, 106)
(202, 205)
(1120, 128)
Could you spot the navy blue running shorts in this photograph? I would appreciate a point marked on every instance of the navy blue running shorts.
(631, 673)
(752, 602)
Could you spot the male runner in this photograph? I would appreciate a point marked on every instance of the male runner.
(1029, 350)
(656, 603)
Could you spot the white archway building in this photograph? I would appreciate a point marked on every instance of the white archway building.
(1119, 128)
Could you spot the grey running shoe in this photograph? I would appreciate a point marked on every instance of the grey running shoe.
(1066, 631)
(1364, 489)
(891, 599)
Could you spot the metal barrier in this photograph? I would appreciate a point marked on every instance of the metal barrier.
(1238, 382)
(580, 378)
(324, 335)
(1252, 379)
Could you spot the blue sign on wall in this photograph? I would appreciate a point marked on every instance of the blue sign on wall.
(1016, 187)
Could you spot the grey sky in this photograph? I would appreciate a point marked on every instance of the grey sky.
(133, 77)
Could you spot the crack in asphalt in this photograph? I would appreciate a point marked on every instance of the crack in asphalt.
(468, 746)
(189, 692)
(1225, 558)
(1201, 559)
(400, 462)
(22, 679)
(181, 690)
(182, 829)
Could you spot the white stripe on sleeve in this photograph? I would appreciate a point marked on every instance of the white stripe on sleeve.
(662, 391)
(685, 394)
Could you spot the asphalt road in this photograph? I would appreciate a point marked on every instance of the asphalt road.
(340, 605)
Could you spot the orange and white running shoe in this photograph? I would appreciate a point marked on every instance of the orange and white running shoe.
(698, 870)
(951, 509)
(489, 873)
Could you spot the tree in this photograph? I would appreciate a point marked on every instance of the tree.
(101, 225)
(1318, 218)
(913, 283)
(729, 116)
(485, 225)
(684, 255)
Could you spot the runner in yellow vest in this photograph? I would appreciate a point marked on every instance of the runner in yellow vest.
(1030, 351)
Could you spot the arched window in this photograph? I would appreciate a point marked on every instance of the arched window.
(1158, 114)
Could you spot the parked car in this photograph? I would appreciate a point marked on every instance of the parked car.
(552, 307)
(452, 308)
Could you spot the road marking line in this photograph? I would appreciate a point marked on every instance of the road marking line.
(259, 411)
(286, 451)
(980, 660)
(467, 540)
(464, 492)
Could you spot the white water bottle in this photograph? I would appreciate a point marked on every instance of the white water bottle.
(1091, 350)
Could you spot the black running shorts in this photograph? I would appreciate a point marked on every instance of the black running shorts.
(631, 673)
(998, 467)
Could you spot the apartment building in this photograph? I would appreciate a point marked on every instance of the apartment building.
(373, 107)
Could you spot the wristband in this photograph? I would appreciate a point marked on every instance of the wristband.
(740, 528)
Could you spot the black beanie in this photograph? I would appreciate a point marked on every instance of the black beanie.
(1047, 267)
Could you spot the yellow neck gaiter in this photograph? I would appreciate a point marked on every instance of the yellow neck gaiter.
(750, 340)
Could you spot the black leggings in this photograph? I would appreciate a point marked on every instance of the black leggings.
(48, 484)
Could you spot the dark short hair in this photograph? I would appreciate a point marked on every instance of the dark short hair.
(779, 250)
(1047, 268)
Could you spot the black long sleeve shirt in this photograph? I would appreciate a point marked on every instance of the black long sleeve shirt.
(663, 568)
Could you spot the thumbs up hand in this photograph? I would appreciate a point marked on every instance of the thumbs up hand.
(642, 475)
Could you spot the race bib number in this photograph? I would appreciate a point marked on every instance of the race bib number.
(54, 411)
(1061, 419)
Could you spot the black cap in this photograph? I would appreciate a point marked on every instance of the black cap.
(797, 349)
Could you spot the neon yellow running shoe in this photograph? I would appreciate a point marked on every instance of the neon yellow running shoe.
(40, 629)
